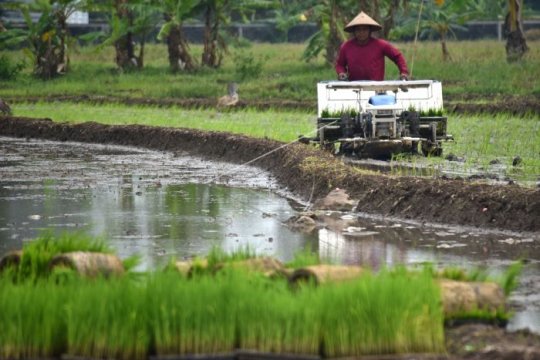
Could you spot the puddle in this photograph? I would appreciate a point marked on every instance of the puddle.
(159, 205)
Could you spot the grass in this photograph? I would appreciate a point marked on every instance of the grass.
(477, 68)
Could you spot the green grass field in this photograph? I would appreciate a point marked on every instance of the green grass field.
(477, 68)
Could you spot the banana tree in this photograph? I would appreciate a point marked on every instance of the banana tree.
(215, 15)
(132, 20)
(175, 12)
(330, 17)
(47, 41)
(286, 15)
(516, 45)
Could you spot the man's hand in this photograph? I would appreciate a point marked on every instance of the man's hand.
(342, 76)
(404, 77)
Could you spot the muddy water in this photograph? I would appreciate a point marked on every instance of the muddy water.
(160, 205)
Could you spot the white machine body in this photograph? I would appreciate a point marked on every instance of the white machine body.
(420, 95)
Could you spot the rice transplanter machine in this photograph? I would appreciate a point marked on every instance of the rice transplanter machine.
(380, 118)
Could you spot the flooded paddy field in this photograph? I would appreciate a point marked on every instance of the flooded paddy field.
(164, 204)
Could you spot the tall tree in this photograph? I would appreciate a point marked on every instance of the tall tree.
(516, 45)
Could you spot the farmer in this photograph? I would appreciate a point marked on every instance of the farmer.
(362, 57)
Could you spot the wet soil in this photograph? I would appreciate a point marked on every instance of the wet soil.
(515, 105)
(310, 173)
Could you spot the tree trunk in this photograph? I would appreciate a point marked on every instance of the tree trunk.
(179, 57)
(63, 59)
(210, 56)
(125, 52)
(445, 53)
(516, 45)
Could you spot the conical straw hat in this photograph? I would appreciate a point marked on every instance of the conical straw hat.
(362, 19)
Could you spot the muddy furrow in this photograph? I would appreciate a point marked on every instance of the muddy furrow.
(311, 173)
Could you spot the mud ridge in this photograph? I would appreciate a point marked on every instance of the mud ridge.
(311, 173)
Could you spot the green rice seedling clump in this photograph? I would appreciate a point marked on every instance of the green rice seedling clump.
(164, 313)
(107, 319)
(32, 320)
(38, 253)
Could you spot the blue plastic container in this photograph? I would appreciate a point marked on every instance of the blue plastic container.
(383, 99)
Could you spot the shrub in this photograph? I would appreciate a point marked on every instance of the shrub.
(247, 65)
(9, 69)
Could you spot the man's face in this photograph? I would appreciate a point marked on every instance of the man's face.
(361, 33)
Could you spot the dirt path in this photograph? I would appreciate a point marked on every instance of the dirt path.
(311, 174)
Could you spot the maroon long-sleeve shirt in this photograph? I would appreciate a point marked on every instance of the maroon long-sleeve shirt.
(366, 62)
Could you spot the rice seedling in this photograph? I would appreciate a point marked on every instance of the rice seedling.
(482, 139)
(192, 317)
(303, 258)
